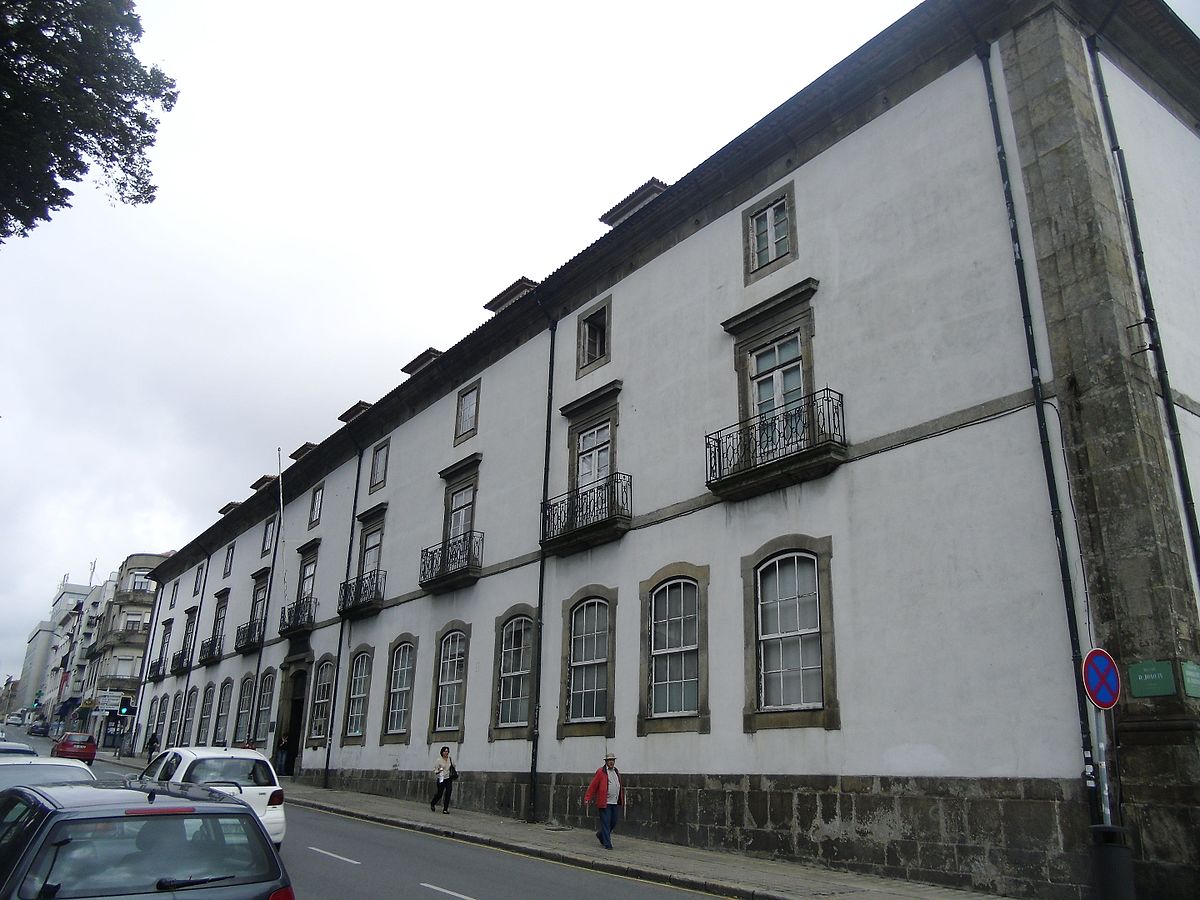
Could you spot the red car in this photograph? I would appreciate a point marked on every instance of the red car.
(75, 745)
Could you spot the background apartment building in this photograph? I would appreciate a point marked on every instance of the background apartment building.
(803, 490)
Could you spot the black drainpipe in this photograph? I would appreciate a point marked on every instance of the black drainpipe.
(531, 814)
(337, 665)
(983, 51)
(1154, 344)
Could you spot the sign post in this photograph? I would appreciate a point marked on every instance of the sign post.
(1102, 681)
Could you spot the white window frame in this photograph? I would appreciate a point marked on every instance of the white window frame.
(670, 654)
(804, 637)
(322, 695)
(221, 720)
(268, 537)
(241, 725)
(400, 686)
(315, 503)
(173, 728)
(516, 665)
(775, 231)
(206, 710)
(379, 465)
(266, 696)
(228, 560)
(588, 664)
(466, 414)
(452, 665)
(189, 716)
(356, 694)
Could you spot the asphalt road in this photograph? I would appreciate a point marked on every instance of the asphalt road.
(331, 857)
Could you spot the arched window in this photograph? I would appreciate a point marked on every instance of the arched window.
(266, 692)
(400, 689)
(588, 689)
(452, 664)
(674, 649)
(160, 726)
(221, 727)
(322, 691)
(189, 717)
(356, 696)
(206, 706)
(176, 709)
(516, 661)
(150, 718)
(789, 633)
(241, 727)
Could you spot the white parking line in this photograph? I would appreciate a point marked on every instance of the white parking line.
(335, 856)
(434, 887)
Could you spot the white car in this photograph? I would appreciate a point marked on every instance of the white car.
(245, 774)
(13, 719)
(26, 770)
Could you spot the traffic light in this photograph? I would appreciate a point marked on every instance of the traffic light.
(126, 707)
(37, 701)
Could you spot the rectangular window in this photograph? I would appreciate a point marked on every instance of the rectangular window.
(451, 671)
(219, 620)
(461, 512)
(466, 416)
(241, 727)
(770, 229)
(265, 696)
(400, 689)
(174, 593)
(314, 505)
(322, 691)
(205, 717)
(222, 723)
(228, 560)
(674, 650)
(516, 662)
(189, 630)
(769, 233)
(308, 578)
(258, 605)
(166, 641)
(268, 536)
(356, 699)
(199, 580)
(593, 455)
(595, 337)
(372, 543)
(379, 464)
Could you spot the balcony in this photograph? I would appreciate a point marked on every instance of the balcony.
(211, 649)
(452, 564)
(593, 514)
(157, 670)
(298, 618)
(129, 636)
(126, 684)
(362, 596)
(249, 636)
(181, 661)
(803, 442)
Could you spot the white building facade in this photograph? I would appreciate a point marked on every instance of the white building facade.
(802, 490)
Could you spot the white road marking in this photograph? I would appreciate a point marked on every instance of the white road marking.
(434, 887)
(335, 856)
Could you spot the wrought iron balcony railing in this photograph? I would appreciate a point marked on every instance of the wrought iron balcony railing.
(804, 441)
(299, 616)
(453, 563)
(181, 660)
(249, 636)
(157, 670)
(592, 514)
(363, 595)
(211, 649)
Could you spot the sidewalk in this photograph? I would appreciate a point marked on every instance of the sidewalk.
(712, 871)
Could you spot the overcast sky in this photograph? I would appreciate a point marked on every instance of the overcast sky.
(340, 187)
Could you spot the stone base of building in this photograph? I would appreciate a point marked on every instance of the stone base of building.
(1012, 837)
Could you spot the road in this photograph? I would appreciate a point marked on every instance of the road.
(331, 857)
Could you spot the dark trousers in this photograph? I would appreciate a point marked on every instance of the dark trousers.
(443, 793)
(609, 816)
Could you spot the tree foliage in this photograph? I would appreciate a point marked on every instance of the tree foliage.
(72, 95)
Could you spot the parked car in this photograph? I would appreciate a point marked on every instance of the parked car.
(105, 840)
(3, 735)
(38, 729)
(7, 747)
(245, 774)
(75, 745)
(13, 719)
(26, 770)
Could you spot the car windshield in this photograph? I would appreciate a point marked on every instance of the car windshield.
(37, 773)
(240, 771)
(76, 738)
(148, 854)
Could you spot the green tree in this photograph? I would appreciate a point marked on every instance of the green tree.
(73, 95)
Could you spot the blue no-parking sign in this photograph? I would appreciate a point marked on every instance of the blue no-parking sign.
(1101, 679)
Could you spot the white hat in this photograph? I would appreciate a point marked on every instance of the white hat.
(610, 755)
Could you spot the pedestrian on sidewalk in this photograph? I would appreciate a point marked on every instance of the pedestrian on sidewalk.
(446, 774)
(608, 793)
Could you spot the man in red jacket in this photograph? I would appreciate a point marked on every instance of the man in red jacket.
(609, 794)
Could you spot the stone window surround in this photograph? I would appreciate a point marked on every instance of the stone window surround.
(311, 742)
(583, 366)
(468, 477)
(316, 503)
(256, 719)
(398, 737)
(228, 559)
(225, 690)
(189, 717)
(308, 554)
(828, 716)
(496, 732)
(782, 314)
(384, 447)
(469, 433)
(753, 273)
(370, 520)
(174, 594)
(246, 692)
(199, 580)
(586, 413)
(268, 536)
(357, 740)
(204, 722)
(608, 726)
(449, 735)
(701, 720)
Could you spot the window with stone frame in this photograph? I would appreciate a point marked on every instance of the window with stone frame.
(307, 581)
(221, 721)
(370, 546)
(206, 710)
(402, 663)
(150, 717)
(358, 691)
(161, 726)
(318, 731)
(589, 655)
(241, 726)
(266, 696)
(594, 341)
(513, 675)
(379, 466)
(316, 500)
(674, 652)
(218, 629)
(449, 696)
(466, 413)
(176, 710)
(189, 717)
(769, 233)
(268, 536)
(790, 677)
(199, 583)
(228, 561)
(174, 594)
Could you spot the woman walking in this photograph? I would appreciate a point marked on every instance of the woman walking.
(446, 773)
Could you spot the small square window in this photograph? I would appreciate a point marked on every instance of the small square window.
(595, 337)
(466, 417)
(379, 464)
(769, 234)
(314, 505)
